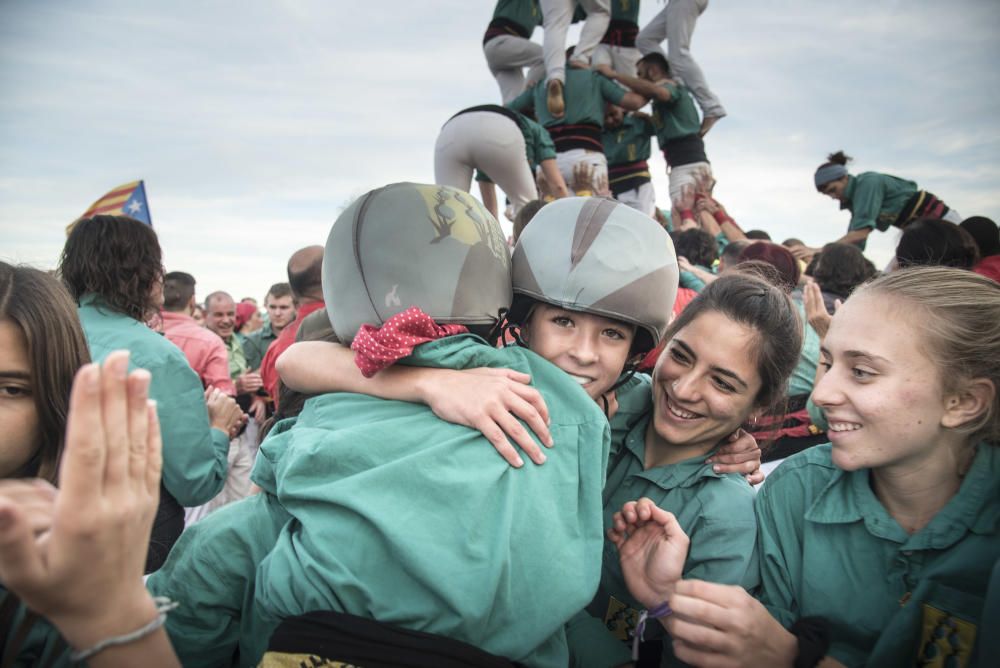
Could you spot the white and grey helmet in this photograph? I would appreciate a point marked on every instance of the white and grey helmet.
(598, 256)
(407, 244)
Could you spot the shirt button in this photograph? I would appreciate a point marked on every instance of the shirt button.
(907, 553)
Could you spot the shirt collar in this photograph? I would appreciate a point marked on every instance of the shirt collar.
(684, 473)
(848, 498)
(852, 184)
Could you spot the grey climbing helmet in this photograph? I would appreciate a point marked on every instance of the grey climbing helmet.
(407, 244)
(601, 257)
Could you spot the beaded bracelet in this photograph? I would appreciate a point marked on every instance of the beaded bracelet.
(163, 606)
(662, 610)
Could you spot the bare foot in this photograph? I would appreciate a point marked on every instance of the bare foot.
(707, 123)
(555, 99)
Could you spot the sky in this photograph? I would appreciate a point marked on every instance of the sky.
(255, 123)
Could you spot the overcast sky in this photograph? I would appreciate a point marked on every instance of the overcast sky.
(253, 123)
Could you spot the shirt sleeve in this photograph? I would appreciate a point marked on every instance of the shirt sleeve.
(540, 145)
(523, 102)
(216, 372)
(194, 454)
(610, 91)
(724, 538)
(211, 572)
(865, 205)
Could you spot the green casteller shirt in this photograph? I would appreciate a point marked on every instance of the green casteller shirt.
(194, 454)
(677, 117)
(584, 94)
(715, 510)
(256, 344)
(237, 358)
(829, 548)
(211, 572)
(876, 200)
(525, 13)
(413, 521)
(629, 142)
(537, 145)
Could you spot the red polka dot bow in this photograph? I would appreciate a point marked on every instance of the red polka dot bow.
(376, 348)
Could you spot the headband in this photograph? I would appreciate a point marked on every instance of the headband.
(829, 172)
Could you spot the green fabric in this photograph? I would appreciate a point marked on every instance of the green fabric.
(194, 454)
(43, 642)
(828, 547)
(537, 143)
(988, 645)
(255, 345)
(211, 572)
(525, 13)
(804, 373)
(584, 95)
(677, 117)
(402, 517)
(690, 280)
(715, 510)
(629, 142)
(875, 200)
(625, 10)
(237, 359)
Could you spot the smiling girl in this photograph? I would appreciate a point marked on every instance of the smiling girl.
(889, 533)
(593, 286)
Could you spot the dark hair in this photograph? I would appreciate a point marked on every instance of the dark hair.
(929, 241)
(984, 232)
(758, 235)
(769, 312)
(731, 253)
(42, 308)
(658, 59)
(279, 290)
(178, 289)
(116, 257)
(778, 257)
(525, 215)
(837, 158)
(697, 245)
(840, 268)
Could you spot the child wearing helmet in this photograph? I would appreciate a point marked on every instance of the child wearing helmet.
(593, 288)
(378, 510)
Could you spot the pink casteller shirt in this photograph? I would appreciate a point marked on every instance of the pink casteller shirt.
(205, 351)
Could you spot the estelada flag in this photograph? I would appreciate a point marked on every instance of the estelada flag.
(125, 200)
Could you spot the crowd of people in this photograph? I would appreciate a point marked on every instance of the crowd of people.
(630, 434)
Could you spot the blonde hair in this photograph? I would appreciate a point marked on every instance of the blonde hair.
(959, 315)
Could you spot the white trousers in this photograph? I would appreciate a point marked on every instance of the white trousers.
(507, 56)
(622, 59)
(675, 23)
(641, 198)
(491, 143)
(556, 17)
(685, 178)
(595, 161)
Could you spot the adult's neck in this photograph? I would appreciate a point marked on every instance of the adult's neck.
(915, 490)
(658, 452)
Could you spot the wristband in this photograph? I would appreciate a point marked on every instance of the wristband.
(722, 217)
(163, 606)
(813, 636)
(585, 193)
(687, 214)
(662, 610)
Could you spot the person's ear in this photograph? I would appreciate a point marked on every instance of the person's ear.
(968, 402)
